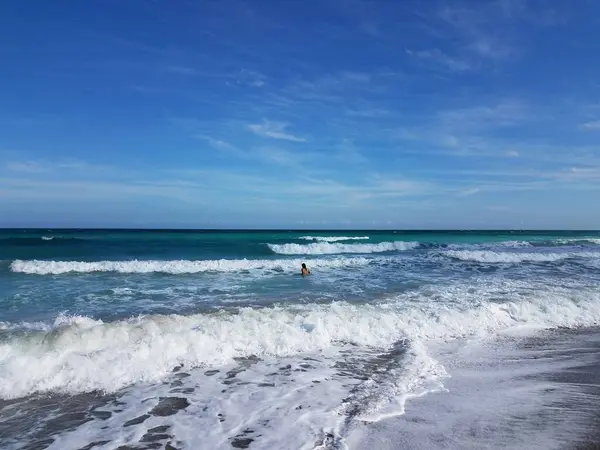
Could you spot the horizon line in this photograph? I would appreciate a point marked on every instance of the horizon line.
(403, 230)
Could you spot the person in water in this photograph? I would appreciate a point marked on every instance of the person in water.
(305, 270)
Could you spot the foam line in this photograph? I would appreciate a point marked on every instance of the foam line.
(327, 248)
(334, 238)
(41, 267)
(506, 257)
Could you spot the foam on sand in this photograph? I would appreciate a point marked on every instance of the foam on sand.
(327, 248)
(42, 267)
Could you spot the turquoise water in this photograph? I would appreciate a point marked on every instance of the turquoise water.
(74, 303)
(354, 268)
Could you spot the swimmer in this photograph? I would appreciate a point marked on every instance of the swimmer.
(305, 270)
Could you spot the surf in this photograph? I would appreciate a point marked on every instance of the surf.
(42, 267)
(328, 248)
(73, 354)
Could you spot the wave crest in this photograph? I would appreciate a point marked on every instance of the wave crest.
(74, 355)
(327, 248)
(40, 267)
(507, 257)
(334, 238)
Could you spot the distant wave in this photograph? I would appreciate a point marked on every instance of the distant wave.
(42, 240)
(326, 248)
(514, 244)
(577, 240)
(40, 267)
(491, 246)
(334, 238)
(506, 257)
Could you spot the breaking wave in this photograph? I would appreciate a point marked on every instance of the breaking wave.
(74, 354)
(334, 238)
(506, 257)
(41, 267)
(327, 248)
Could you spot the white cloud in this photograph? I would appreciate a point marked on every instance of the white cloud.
(488, 31)
(60, 190)
(274, 130)
(183, 70)
(27, 166)
(594, 125)
(503, 113)
(218, 144)
(368, 112)
(469, 192)
(581, 173)
(486, 47)
(498, 207)
(44, 166)
(250, 78)
(278, 156)
(442, 59)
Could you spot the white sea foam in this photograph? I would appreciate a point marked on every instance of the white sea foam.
(24, 326)
(489, 246)
(42, 267)
(273, 408)
(334, 238)
(515, 244)
(75, 354)
(574, 240)
(514, 257)
(326, 248)
(47, 238)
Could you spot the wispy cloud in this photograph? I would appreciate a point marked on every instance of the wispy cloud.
(580, 173)
(594, 125)
(499, 114)
(218, 144)
(250, 78)
(469, 192)
(441, 59)
(274, 130)
(27, 166)
(471, 131)
(481, 27)
(368, 112)
(46, 166)
(183, 70)
(278, 156)
(472, 35)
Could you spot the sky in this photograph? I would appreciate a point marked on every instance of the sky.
(300, 114)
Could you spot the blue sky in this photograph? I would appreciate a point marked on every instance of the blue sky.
(301, 114)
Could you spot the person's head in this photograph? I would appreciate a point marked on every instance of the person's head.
(303, 265)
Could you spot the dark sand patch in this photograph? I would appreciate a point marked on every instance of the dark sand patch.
(94, 444)
(102, 415)
(167, 406)
(39, 445)
(241, 443)
(136, 421)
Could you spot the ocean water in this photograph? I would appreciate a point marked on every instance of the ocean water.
(206, 339)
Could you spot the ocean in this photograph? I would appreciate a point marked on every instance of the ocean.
(138, 339)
